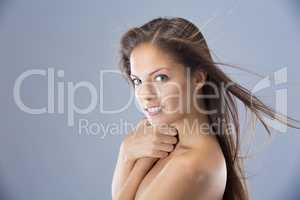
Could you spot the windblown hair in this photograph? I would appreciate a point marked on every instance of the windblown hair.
(183, 40)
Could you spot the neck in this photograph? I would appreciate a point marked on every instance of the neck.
(191, 129)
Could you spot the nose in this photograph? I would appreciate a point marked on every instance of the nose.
(146, 91)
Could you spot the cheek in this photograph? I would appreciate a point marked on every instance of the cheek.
(138, 100)
(174, 98)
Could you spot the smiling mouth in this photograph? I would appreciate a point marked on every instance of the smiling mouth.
(151, 111)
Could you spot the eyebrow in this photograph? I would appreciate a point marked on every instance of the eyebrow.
(153, 71)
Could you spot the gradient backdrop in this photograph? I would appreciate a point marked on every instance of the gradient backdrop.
(43, 158)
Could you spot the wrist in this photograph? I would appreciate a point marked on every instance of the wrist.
(125, 155)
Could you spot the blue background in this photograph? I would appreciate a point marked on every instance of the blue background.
(42, 158)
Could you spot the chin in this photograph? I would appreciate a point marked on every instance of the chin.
(163, 119)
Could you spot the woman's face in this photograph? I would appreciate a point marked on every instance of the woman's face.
(160, 83)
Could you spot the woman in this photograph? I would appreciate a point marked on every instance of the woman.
(187, 147)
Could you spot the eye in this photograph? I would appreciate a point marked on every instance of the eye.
(161, 77)
(136, 81)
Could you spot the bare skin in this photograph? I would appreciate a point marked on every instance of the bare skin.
(144, 142)
(150, 168)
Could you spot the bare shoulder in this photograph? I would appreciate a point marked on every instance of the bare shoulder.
(206, 159)
(198, 173)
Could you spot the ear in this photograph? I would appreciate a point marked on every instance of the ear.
(199, 78)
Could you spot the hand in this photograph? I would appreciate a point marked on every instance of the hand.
(149, 141)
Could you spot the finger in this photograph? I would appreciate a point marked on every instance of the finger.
(167, 139)
(168, 130)
(164, 147)
(158, 154)
(143, 126)
(173, 129)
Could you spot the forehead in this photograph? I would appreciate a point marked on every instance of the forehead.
(146, 58)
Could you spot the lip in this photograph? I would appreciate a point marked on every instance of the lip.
(152, 113)
(151, 106)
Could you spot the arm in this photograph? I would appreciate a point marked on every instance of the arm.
(182, 180)
(129, 188)
(123, 167)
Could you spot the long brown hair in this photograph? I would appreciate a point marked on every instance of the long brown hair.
(182, 39)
